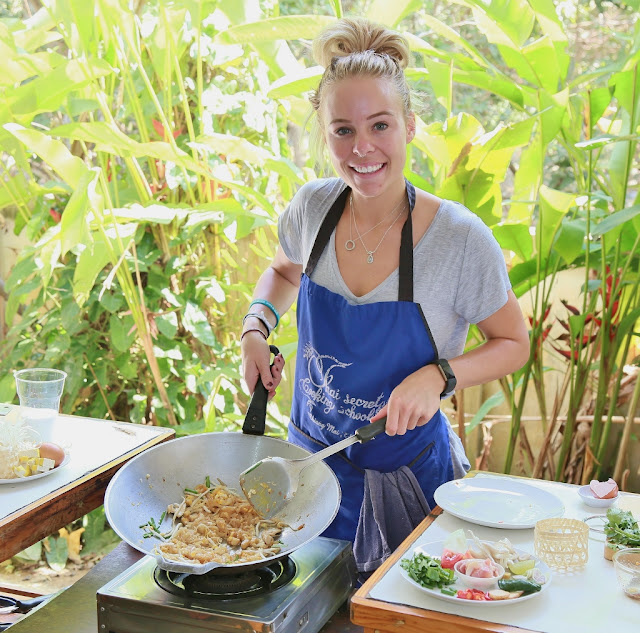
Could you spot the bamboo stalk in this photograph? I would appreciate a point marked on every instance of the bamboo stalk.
(537, 418)
(626, 433)
(461, 415)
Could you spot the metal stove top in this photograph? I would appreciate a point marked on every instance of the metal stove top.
(134, 602)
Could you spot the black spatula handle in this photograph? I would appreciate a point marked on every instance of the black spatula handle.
(255, 420)
(369, 431)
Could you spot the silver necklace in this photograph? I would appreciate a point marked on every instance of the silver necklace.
(350, 244)
(371, 253)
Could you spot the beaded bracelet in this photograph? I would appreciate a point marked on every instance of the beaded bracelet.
(262, 318)
(253, 329)
(269, 305)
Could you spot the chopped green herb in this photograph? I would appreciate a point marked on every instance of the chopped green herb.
(191, 492)
(447, 591)
(207, 481)
(427, 571)
(621, 528)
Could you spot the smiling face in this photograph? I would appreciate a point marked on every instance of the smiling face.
(367, 134)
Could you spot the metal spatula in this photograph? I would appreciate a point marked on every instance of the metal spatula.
(272, 482)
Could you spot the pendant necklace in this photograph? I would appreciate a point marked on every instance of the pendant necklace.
(350, 244)
(371, 253)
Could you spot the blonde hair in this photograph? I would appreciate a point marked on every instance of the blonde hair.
(356, 47)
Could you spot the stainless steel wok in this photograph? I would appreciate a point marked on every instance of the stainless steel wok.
(146, 485)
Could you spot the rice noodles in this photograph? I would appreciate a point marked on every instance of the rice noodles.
(16, 440)
(212, 523)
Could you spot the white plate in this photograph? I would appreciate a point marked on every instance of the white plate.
(435, 550)
(500, 503)
(21, 480)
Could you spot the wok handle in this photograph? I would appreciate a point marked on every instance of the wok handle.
(369, 431)
(255, 420)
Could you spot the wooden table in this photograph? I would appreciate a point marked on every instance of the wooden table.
(32, 510)
(589, 600)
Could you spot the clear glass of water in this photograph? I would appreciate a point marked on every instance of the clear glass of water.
(39, 391)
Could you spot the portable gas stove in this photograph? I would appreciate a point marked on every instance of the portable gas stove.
(294, 594)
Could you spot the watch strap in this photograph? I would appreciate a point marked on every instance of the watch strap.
(448, 375)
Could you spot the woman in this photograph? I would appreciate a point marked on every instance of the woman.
(388, 279)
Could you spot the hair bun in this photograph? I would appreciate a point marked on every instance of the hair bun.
(356, 35)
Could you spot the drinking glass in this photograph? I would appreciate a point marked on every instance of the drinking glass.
(39, 391)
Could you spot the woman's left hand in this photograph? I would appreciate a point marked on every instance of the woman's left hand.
(413, 402)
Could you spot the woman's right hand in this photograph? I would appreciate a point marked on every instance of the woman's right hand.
(256, 363)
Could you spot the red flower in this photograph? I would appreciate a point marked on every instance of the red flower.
(159, 128)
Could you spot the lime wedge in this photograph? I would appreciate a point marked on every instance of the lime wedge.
(522, 566)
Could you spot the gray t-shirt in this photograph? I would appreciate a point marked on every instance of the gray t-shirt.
(459, 273)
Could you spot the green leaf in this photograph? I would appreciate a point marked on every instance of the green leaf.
(293, 27)
(91, 262)
(570, 240)
(48, 92)
(576, 324)
(542, 60)
(446, 32)
(233, 148)
(7, 388)
(337, 7)
(391, 13)
(195, 321)
(77, 17)
(554, 206)
(516, 238)
(491, 402)
(615, 220)
(605, 139)
(167, 324)
(190, 428)
(97, 537)
(56, 553)
(507, 22)
(599, 100)
(31, 554)
(111, 301)
(627, 324)
(297, 83)
(627, 88)
(440, 77)
(73, 226)
(122, 332)
(553, 111)
(528, 179)
(70, 168)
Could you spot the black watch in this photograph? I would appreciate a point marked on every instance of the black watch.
(448, 375)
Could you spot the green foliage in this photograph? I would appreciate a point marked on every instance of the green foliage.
(147, 158)
(98, 538)
(140, 204)
(56, 552)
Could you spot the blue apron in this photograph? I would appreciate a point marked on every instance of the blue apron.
(349, 359)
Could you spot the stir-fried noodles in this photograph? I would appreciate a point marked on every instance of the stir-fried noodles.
(214, 524)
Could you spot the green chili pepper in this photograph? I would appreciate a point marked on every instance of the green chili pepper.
(519, 584)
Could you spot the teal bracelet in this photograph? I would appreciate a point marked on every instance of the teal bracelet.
(269, 305)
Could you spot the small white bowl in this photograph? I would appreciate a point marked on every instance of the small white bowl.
(590, 499)
(473, 581)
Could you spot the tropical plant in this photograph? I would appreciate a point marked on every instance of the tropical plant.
(593, 119)
(158, 137)
(138, 156)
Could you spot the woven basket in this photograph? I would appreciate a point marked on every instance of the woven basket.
(562, 543)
